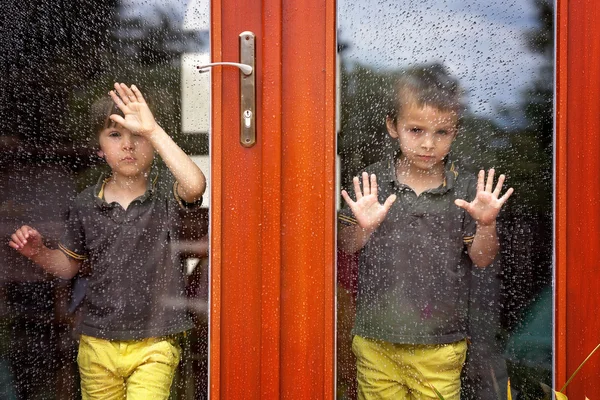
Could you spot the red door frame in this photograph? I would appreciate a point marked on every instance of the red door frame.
(577, 195)
(273, 223)
(273, 234)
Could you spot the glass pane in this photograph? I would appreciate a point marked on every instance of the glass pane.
(145, 272)
(408, 284)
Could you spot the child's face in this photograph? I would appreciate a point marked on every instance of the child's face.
(425, 134)
(126, 154)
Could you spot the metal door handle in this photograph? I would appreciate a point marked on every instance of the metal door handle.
(247, 87)
(245, 68)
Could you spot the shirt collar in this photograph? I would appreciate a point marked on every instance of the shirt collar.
(150, 187)
(450, 173)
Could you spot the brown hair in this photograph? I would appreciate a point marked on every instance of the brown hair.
(100, 112)
(428, 85)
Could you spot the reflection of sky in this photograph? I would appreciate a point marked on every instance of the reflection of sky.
(151, 9)
(481, 42)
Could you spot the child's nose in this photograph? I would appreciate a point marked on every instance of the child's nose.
(428, 141)
(127, 142)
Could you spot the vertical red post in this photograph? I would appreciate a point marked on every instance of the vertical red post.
(273, 223)
(577, 195)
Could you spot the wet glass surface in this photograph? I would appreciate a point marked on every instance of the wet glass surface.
(501, 54)
(57, 58)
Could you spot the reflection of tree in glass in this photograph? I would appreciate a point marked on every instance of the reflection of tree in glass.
(523, 150)
(57, 57)
(157, 43)
(527, 258)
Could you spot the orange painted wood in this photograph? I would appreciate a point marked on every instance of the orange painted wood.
(236, 285)
(216, 152)
(582, 194)
(560, 273)
(272, 301)
(329, 180)
(308, 138)
(270, 140)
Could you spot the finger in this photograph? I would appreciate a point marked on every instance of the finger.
(32, 234)
(366, 186)
(499, 185)
(508, 193)
(347, 198)
(357, 191)
(21, 236)
(120, 88)
(373, 184)
(462, 204)
(490, 180)
(118, 119)
(138, 94)
(16, 240)
(129, 93)
(122, 106)
(13, 245)
(388, 202)
(480, 179)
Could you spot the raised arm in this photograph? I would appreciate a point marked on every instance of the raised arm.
(191, 182)
(484, 209)
(367, 210)
(29, 243)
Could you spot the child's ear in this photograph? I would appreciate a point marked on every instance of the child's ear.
(100, 153)
(391, 126)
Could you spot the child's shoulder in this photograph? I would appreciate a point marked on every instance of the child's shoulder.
(87, 195)
(380, 168)
(465, 177)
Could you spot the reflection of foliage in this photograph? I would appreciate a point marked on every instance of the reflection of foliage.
(152, 44)
(149, 56)
(58, 58)
(47, 50)
(528, 219)
(364, 139)
(523, 152)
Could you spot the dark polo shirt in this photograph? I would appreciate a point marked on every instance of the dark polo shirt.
(413, 279)
(136, 286)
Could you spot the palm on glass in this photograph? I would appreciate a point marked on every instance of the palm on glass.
(487, 204)
(138, 117)
(367, 210)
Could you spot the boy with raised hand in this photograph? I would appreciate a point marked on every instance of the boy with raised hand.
(419, 223)
(122, 228)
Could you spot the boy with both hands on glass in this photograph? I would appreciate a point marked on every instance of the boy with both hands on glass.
(122, 228)
(420, 223)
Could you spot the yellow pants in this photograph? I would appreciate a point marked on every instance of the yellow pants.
(406, 371)
(132, 370)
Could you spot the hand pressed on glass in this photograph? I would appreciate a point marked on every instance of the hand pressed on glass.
(368, 211)
(138, 117)
(486, 205)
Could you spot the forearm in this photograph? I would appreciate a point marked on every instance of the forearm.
(56, 263)
(352, 238)
(485, 245)
(190, 179)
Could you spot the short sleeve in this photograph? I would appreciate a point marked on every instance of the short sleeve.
(345, 216)
(73, 241)
(469, 224)
(184, 205)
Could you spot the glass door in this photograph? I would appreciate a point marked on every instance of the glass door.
(58, 58)
(501, 55)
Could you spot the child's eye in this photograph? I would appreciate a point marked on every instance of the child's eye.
(114, 134)
(415, 130)
(442, 132)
